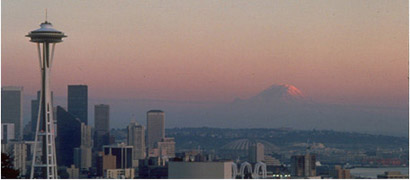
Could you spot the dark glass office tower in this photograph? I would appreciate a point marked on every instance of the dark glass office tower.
(34, 111)
(102, 126)
(123, 154)
(78, 101)
(12, 108)
(68, 136)
(34, 114)
(102, 117)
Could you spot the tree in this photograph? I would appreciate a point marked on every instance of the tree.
(7, 167)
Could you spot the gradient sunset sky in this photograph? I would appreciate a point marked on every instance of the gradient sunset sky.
(342, 51)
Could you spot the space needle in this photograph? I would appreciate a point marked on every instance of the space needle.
(44, 163)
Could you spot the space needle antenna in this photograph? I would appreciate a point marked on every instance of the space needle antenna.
(44, 161)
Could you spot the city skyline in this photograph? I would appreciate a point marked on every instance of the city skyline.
(343, 54)
(218, 51)
(206, 89)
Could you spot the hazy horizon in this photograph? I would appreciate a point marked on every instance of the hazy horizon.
(203, 113)
(348, 52)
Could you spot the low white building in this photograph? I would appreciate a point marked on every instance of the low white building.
(18, 151)
(73, 172)
(119, 173)
(200, 170)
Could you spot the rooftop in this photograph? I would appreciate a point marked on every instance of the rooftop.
(155, 110)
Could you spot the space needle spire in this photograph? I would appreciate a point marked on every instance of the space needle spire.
(44, 163)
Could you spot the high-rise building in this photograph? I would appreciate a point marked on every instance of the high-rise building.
(256, 152)
(27, 132)
(78, 102)
(101, 139)
(7, 132)
(101, 125)
(122, 153)
(105, 162)
(82, 158)
(12, 108)
(155, 127)
(18, 150)
(303, 165)
(73, 172)
(166, 147)
(102, 117)
(20, 156)
(86, 140)
(136, 139)
(68, 136)
(82, 154)
(339, 173)
(34, 111)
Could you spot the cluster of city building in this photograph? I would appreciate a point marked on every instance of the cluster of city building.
(85, 151)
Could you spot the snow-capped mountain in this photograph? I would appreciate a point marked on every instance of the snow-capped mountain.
(285, 105)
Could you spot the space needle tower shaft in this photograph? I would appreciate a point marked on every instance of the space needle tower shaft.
(44, 162)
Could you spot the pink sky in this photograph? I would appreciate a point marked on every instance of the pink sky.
(344, 51)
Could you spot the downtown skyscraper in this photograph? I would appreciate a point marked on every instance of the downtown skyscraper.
(122, 153)
(12, 108)
(77, 103)
(83, 154)
(102, 117)
(68, 136)
(155, 127)
(101, 125)
(136, 138)
(35, 104)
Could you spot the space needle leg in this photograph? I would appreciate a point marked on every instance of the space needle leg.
(34, 159)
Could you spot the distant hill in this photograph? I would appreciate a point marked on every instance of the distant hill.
(216, 138)
(277, 106)
(285, 106)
